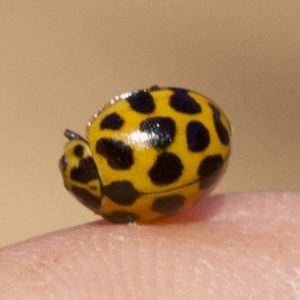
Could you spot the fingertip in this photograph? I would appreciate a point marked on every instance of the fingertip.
(216, 248)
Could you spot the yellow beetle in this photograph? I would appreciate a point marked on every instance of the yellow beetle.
(148, 154)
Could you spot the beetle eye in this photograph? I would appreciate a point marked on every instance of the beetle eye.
(63, 164)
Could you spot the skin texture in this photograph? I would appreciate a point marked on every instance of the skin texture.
(232, 246)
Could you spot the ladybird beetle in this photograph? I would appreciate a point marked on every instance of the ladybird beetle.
(148, 153)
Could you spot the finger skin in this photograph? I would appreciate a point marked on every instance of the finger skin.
(232, 246)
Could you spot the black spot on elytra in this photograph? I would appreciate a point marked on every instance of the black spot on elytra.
(167, 169)
(112, 121)
(85, 172)
(121, 217)
(161, 131)
(220, 128)
(154, 88)
(78, 151)
(119, 155)
(87, 198)
(142, 102)
(168, 205)
(121, 192)
(197, 136)
(209, 170)
(182, 102)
